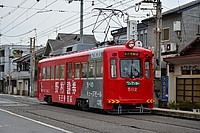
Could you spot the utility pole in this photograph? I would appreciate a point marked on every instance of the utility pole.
(81, 19)
(33, 66)
(157, 51)
(157, 47)
(81, 23)
(31, 69)
(9, 71)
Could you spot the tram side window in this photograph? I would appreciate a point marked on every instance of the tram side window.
(61, 71)
(77, 70)
(99, 68)
(147, 69)
(52, 72)
(44, 73)
(91, 71)
(48, 72)
(69, 71)
(57, 72)
(113, 68)
(84, 70)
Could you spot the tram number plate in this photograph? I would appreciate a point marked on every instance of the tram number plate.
(132, 89)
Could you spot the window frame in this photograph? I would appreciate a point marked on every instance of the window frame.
(163, 36)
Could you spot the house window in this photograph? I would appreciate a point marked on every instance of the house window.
(165, 34)
(195, 72)
(198, 29)
(188, 89)
(185, 72)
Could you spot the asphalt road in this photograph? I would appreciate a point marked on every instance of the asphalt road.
(67, 119)
(13, 123)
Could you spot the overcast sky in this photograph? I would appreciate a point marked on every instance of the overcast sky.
(22, 19)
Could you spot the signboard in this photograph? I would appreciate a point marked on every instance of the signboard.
(164, 88)
(132, 83)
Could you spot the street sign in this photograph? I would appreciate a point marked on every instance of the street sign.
(164, 88)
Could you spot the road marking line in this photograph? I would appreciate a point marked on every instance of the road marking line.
(47, 125)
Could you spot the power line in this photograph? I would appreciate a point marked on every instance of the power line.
(13, 9)
(19, 34)
(63, 26)
(18, 17)
(28, 17)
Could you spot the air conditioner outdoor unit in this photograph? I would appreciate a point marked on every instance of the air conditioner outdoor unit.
(171, 47)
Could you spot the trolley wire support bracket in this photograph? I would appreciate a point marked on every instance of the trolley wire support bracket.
(108, 15)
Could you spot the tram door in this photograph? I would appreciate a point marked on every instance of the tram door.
(69, 81)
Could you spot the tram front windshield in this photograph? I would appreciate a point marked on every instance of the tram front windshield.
(130, 68)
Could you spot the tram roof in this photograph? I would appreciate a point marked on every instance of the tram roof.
(87, 52)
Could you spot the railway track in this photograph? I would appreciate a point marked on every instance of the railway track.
(30, 107)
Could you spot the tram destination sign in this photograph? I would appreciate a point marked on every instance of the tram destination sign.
(132, 83)
(127, 53)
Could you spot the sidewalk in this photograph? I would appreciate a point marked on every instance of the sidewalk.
(176, 113)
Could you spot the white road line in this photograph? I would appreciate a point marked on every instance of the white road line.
(47, 125)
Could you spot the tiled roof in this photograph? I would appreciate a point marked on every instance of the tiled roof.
(64, 40)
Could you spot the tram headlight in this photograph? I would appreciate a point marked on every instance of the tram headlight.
(130, 44)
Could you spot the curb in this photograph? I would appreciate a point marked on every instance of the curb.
(176, 113)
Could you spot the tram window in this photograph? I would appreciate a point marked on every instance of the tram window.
(57, 72)
(91, 69)
(69, 71)
(130, 68)
(99, 68)
(113, 68)
(52, 72)
(44, 73)
(147, 69)
(48, 73)
(77, 70)
(84, 70)
(61, 71)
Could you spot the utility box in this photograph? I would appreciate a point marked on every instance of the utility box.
(177, 25)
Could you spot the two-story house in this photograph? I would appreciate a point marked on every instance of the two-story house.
(8, 53)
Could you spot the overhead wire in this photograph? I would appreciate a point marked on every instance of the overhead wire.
(48, 30)
(13, 9)
(18, 17)
(86, 26)
(29, 17)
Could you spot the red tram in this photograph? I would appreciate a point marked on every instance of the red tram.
(115, 79)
